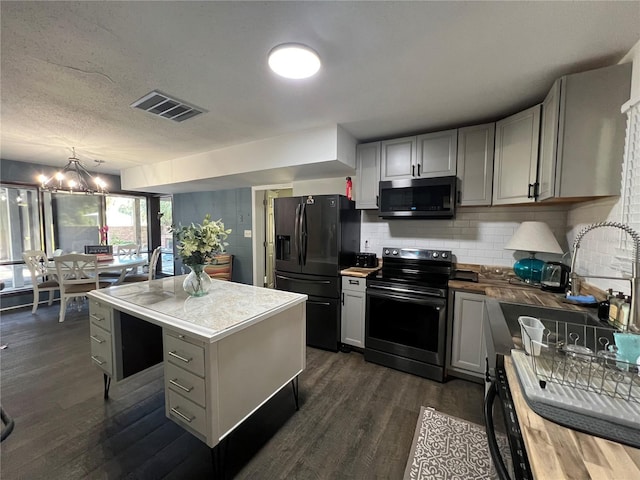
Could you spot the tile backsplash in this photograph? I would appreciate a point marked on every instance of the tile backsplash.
(476, 234)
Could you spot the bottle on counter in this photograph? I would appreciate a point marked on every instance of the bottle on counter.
(603, 306)
(623, 315)
(614, 307)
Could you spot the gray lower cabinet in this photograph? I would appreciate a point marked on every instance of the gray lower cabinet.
(100, 328)
(353, 311)
(185, 383)
(475, 164)
(367, 175)
(468, 349)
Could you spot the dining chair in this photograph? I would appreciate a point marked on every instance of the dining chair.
(140, 277)
(221, 268)
(77, 274)
(36, 261)
(128, 249)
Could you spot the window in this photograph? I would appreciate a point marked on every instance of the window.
(19, 231)
(76, 221)
(166, 237)
(126, 218)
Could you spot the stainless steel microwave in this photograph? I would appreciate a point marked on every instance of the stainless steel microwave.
(418, 198)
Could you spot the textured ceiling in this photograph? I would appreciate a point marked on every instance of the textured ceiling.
(70, 70)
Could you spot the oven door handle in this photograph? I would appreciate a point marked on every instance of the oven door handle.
(494, 450)
(404, 290)
(406, 294)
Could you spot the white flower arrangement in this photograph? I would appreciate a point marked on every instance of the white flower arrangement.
(197, 244)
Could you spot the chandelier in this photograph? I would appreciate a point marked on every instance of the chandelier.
(73, 178)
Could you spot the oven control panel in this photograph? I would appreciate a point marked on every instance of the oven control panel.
(417, 253)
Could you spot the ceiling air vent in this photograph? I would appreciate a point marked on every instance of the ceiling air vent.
(162, 105)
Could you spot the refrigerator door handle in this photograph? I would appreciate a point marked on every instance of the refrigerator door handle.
(303, 233)
(296, 234)
(302, 280)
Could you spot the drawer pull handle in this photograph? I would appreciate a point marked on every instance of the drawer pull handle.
(96, 339)
(96, 317)
(182, 415)
(97, 360)
(179, 357)
(182, 387)
(354, 282)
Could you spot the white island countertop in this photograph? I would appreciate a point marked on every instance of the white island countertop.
(227, 308)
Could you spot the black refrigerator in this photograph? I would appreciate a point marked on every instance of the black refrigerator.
(316, 237)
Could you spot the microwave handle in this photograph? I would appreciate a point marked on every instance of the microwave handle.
(494, 450)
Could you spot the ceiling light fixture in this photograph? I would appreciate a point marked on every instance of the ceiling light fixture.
(294, 60)
(73, 178)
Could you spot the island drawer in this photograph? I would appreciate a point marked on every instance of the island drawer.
(186, 384)
(354, 283)
(187, 413)
(101, 348)
(100, 314)
(184, 354)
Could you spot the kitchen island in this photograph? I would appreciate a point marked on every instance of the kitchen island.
(224, 354)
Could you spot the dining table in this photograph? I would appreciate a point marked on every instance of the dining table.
(119, 264)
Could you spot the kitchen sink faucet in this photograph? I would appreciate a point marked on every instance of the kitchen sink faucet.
(574, 288)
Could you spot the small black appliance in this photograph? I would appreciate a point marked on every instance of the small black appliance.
(366, 260)
(555, 277)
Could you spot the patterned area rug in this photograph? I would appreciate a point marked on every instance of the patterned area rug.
(447, 448)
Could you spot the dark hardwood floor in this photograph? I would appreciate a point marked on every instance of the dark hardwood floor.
(356, 419)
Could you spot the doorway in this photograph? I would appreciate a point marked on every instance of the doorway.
(264, 232)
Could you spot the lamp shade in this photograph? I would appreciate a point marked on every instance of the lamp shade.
(534, 237)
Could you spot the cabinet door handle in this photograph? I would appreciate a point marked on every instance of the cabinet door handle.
(96, 339)
(174, 381)
(459, 196)
(377, 201)
(179, 357)
(532, 190)
(182, 415)
(413, 170)
(97, 360)
(418, 169)
(342, 298)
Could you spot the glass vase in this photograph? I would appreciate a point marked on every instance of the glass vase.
(197, 282)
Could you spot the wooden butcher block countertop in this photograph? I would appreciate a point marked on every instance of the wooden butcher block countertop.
(359, 271)
(501, 289)
(557, 452)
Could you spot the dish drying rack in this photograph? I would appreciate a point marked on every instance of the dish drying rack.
(583, 357)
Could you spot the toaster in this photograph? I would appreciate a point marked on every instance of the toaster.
(366, 260)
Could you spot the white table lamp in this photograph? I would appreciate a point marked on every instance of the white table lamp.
(532, 237)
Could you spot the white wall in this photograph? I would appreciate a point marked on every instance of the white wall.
(476, 235)
(309, 148)
(324, 186)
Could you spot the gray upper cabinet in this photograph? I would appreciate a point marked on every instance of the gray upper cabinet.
(549, 143)
(583, 131)
(398, 158)
(424, 156)
(516, 157)
(475, 164)
(436, 154)
(367, 175)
